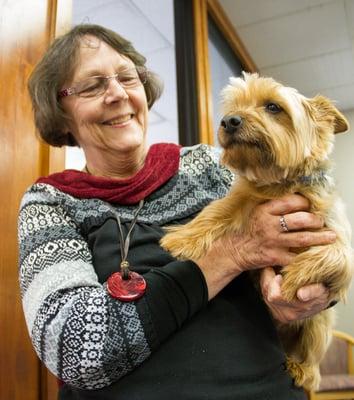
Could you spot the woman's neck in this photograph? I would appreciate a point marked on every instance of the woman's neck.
(116, 165)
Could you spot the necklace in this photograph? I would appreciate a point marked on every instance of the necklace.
(126, 285)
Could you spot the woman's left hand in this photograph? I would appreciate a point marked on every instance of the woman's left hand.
(311, 299)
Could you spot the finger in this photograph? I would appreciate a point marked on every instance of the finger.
(267, 274)
(274, 294)
(307, 239)
(281, 257)
(302, 220)
(287, 204)
(312, 292)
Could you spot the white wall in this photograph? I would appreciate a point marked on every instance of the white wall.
(343, 157)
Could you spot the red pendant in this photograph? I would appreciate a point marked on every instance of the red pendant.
(126, 289)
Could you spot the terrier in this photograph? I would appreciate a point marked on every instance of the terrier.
(278, 142)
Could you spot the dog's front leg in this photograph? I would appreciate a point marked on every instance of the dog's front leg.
(191, 241)
(329, 265)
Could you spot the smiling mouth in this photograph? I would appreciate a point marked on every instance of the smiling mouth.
(119, 120)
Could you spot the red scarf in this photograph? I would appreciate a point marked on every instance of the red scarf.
(161, 164)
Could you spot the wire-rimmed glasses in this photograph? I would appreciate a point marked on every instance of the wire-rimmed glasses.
(95, 86)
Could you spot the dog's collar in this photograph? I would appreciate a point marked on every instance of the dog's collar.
(318, 178)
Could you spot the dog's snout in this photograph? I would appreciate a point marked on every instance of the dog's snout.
(231, 123)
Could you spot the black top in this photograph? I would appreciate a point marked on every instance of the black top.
(171, 343)
(228, 350)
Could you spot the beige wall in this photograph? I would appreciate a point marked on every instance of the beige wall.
(343, 157)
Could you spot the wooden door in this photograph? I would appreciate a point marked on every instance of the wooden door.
(26, 29)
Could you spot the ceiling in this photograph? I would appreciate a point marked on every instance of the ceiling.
(306, 44)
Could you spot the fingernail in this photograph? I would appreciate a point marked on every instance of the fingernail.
(303, 295)
(332, 304)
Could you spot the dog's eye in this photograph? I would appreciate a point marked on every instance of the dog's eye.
(273, 108)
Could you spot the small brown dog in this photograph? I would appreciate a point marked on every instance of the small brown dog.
(278, 142)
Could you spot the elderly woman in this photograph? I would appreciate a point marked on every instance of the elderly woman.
(109, 312)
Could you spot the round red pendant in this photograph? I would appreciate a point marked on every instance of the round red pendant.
(126, 289)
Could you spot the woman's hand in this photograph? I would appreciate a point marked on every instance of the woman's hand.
(310, 300)
(268, 244)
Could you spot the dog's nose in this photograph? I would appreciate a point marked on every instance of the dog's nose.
(231, 123)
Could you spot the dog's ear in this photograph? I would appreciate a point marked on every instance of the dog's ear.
(326, 109)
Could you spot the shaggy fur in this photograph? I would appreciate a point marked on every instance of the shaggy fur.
(279, 150)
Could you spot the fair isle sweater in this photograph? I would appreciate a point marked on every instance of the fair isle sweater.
(171, 343)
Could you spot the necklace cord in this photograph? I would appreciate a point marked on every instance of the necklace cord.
(124, 243)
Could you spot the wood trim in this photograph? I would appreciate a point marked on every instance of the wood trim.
(61, 17)
(228, 31)
(334, 395)
(344, 336)
(24, 31)
(350, 340)
(53, 158)
(204, 98)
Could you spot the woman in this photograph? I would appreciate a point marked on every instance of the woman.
(160, 328)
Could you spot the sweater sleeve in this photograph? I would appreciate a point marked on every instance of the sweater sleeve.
(175, 293)
(85, 337)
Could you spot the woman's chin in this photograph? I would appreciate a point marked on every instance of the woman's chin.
(128, 142)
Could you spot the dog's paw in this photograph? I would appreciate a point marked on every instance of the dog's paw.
(304, 375)
(182, 245)
(326, 264)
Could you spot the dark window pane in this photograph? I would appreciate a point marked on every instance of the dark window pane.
(223, 64)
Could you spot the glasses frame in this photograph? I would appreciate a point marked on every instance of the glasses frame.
(141, 71)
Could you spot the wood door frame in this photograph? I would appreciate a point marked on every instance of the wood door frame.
(202, 9)
(26, 29)
(60, 20)
(53, 159)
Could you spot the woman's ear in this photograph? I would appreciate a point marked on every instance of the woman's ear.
(325, 108)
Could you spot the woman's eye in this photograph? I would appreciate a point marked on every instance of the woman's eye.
(273, 108)
(128, 78)
(90, 85)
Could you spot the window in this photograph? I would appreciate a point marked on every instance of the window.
(219, 54)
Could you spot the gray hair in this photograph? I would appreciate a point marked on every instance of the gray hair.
(58, 65)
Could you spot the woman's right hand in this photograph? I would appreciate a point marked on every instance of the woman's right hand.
(266, 243)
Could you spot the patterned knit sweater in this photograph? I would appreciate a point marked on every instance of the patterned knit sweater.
(68, 249)
(76, 327)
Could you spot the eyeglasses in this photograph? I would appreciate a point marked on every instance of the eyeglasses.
(97, 85)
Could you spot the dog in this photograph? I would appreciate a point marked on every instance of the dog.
(278, 142)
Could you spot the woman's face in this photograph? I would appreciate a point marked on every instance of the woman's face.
(114, 121)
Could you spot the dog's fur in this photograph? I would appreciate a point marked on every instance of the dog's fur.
(275, 154)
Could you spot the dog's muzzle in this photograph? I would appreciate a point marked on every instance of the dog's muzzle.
(231, 123)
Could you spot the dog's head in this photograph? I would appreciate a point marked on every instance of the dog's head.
(270, 132)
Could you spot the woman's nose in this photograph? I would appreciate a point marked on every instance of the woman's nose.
(115, 91)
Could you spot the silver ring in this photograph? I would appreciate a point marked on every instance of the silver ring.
(283, 225)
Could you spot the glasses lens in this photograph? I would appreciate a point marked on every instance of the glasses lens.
(97, 85)
(91, 87)
(129, 78)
